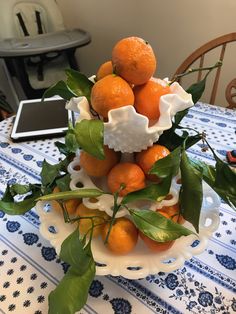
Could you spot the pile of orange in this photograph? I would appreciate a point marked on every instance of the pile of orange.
(126, 79)
(123, 178)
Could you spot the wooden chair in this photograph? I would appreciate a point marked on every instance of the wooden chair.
(199, 54)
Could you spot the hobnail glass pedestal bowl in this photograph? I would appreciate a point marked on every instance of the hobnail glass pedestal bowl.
(128, 132)
(141, 261)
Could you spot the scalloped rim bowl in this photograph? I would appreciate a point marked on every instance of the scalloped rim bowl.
(140, 262)
(129, 131)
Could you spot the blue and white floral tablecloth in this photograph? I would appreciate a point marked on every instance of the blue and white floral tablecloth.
(30, 268)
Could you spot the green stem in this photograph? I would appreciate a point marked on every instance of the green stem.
(65, 212)
(211, 149)
(177, 126)
(116, 208)
(189, 71)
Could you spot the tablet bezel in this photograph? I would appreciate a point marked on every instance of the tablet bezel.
(45, 133)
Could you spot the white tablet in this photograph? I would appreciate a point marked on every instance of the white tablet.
(41, 119)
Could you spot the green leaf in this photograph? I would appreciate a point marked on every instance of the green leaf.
(79, 83)
(191, 194)
(167, 166)
(157, 227)
(61, 89)
(19, 208)
(63, 149)
(71, 141)
(75, 253)
(64, 183)
(80, 193)
(225, 177)
(154, 192)
(225, 187)
(197, 89)
(49, 173)
(171, 140)
(180, 115)
(89, 135)
(20, 189)
(165, 169)
(7, 196)
(71, 294)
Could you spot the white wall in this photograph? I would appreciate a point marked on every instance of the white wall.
(174, 28)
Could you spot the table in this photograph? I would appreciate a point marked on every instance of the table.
(30, 269)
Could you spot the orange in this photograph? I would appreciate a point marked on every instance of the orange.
(111, 92)
(156, 246)
(86, 224)
(147, 98)
(70, 205)
(173, 211)
(129, 175)
(146, 159)
(104, 70)
(134, 60)
(123, 236)
(96, 167)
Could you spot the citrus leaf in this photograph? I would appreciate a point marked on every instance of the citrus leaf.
(70, 140)
(225, 187)
(156, 226)
(80, 193)
(79, 83)
(71, 294)
(197, 89)
(61, 89)
(191, 194)
(180, 115)
(63, 149)
(167, 166)
(19, 208)
(63, 183)
(89, 135)
(20, 189)
(7, 196)
(171, 140)
(153, 192)
(74, 253)
(49, 172)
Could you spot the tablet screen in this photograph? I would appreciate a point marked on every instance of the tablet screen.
(38, 118)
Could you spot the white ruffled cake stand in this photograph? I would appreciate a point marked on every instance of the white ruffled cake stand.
(128, 132)
(141, 261)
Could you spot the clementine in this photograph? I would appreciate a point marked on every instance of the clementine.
(146, 159)
(105, 69)
(123, 236)
(153, 245)
(99, 167)
(85, 225)
(173, 211)
(147, 98)
(128, 175)
(134, 60)
(111, 92)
